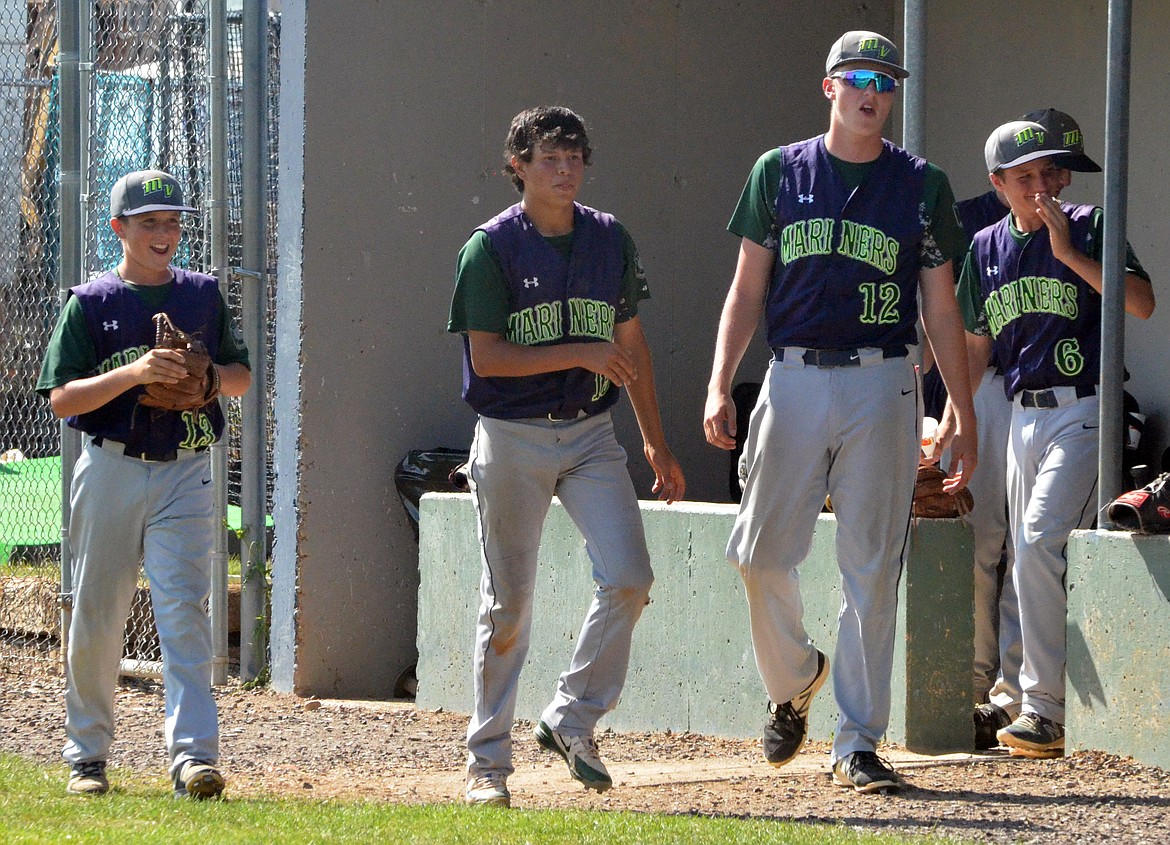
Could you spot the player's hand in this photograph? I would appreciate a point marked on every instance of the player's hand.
(159, 365)
(964, 459)
(669, 483)
(1057, 222)
(609, 360)
(719, 419)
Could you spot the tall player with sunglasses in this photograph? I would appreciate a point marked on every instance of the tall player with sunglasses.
(839, 236)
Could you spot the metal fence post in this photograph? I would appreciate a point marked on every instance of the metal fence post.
(1113, 257)
(217, 207)
(253, 457)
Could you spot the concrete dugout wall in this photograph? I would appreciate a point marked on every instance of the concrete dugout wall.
(1117, 695)
(692, 667)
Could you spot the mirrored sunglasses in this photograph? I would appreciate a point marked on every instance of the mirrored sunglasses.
(860, 79)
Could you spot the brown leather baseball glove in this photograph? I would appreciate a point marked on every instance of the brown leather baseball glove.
(201, 384)
(932, 502)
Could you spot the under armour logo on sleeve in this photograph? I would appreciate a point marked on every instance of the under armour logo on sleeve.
(111, 326)
(993, 269)
(804, 197)
(532, 283)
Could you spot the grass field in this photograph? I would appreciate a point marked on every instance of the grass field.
(35, 809)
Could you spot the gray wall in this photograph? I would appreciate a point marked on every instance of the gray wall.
(392, 119)
(405, 106)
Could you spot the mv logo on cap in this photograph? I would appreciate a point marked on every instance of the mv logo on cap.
(873, 45)
(1072, 138)
(1027, 135)
(150, 186)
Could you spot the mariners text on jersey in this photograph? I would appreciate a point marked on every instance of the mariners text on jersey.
(543, 322)
(858, 241)
(124, 356)
(1030, 295)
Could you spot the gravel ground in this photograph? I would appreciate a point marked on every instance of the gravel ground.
(276, 744)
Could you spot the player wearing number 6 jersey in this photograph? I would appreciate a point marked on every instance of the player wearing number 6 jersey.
(839, 234)
(1030, 292)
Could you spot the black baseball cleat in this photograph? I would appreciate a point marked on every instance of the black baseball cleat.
(1032, 735)
(865, 771)
(989, 719)
(787, 724)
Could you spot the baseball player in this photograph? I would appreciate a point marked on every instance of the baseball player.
(1030, 292)
(141, 486)
(997, 615)
(546, 297)
(839, 236)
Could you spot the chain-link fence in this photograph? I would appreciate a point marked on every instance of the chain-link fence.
(145, 69)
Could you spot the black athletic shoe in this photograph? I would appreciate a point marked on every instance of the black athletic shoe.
(989, 718)
(866, 772)
(787, 723)
(1032, 735)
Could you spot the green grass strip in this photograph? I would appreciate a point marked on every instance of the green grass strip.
(35, 809)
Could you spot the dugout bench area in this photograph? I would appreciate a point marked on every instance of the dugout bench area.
(692, 667)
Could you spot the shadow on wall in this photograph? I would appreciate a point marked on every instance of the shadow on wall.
(1082, 674)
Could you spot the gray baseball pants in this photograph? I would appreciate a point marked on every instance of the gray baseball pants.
(126, 511)
(516, 467)
(997, 612)
(1052, 490)
(852, 433)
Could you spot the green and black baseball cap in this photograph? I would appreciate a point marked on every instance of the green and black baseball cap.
(1019, 142)
(860, 45)
(146, 190)
(1069, 131)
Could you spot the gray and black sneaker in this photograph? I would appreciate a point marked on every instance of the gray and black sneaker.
(787, 724)
(198, 780)
(865, 771)
(989, 719)
(1032, 735)
(579, 753)
(88, 778)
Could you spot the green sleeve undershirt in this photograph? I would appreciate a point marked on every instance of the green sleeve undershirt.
(755, 215)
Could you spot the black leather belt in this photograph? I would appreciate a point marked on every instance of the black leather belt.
(1048, 399)
(565, 416)
(839, 357)
(149, 457)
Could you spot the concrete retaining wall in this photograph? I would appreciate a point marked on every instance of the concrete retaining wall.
(1117, 697)
(692, 666)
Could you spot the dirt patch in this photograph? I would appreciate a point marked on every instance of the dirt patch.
(276, 744)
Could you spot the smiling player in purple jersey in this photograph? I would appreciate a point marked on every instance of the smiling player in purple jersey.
(996, 668)
(1030, 292)
(141, 494)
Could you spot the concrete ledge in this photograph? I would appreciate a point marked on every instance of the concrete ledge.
(692, 666)
(1117, 697)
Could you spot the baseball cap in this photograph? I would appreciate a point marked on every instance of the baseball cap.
(1019, 142)
(862, 46)
(1070, 135)
(146, 190)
